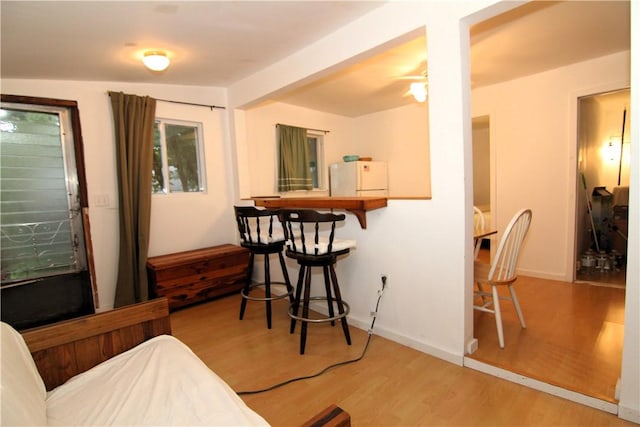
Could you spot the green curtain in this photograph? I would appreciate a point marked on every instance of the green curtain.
(133, 119)
(293, 163)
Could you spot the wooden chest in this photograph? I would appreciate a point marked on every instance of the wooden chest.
(193, 276)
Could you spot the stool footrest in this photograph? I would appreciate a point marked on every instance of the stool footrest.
(272, 298)
(323, 319)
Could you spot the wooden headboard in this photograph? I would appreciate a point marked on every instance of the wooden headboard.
(65, 349)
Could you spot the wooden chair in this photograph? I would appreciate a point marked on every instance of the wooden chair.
(310, 241)
(479, 224)
(257, 233)
(502, 271)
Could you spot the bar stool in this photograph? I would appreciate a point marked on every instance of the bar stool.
(257, 234)
(310, 241)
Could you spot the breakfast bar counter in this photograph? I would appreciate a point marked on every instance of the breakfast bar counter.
(356, 205)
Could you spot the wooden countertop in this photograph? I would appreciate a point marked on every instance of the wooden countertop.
(356, 205)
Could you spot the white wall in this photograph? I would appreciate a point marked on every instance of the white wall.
(532, 164)
(428, 311)
(431, 310)
(261, 140)
(535, 154)
(481, 164)
(425, 246)
(180, 222)
(184, 221)
(629, 406)
(399, 136)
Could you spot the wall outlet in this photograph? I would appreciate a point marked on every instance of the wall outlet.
(384, 280)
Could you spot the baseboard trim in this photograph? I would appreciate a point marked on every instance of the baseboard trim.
(544, 275)
(573, 396)
(629, 414)
(395, 337)
(409, 342)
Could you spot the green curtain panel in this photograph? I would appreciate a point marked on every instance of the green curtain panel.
(293, 167)
(133, 119)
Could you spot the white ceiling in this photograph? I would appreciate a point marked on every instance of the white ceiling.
(215, 43)
(539, 36)
(210, 43)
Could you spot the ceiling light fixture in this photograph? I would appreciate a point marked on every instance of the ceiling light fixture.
(156, 60)
(419, 91)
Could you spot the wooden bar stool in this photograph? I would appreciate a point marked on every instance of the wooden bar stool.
(257, 233)
(310, 241)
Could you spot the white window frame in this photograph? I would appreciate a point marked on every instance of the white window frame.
(320, 157)
(200, 159)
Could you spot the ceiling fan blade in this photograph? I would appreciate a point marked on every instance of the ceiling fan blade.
(416, 77)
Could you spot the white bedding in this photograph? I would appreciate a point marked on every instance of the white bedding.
(159, 382)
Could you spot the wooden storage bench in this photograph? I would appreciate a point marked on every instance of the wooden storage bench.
(193, 276)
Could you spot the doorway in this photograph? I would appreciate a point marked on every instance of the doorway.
(602, 188)
(45, 262)
(481, 145)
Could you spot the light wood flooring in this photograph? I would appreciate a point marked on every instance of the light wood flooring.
(392, 385)
(573, 339)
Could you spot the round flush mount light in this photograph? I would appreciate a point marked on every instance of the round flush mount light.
(156, 60)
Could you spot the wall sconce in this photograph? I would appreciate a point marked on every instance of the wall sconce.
(419, 91)
(611, 150)
(156, 60)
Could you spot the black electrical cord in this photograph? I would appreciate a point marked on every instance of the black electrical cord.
(335, 365)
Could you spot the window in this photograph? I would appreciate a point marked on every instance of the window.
(315, 145)
(178, 165)
(42, 232)
(300, 162)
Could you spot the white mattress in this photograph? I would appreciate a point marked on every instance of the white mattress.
(159, 382)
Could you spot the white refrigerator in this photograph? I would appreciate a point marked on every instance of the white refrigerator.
(358, 179)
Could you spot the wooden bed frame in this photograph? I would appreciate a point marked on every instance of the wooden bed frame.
(68, 348)
(65, 349)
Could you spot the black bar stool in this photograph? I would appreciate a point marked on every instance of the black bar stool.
(257, 233)
(310, 241)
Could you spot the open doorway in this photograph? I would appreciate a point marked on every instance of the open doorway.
(482, 169)
(574, 336)
(603, 188)
(481, 147)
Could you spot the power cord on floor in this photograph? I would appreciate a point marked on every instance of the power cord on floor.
(374, 314)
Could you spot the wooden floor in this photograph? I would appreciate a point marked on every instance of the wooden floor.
(392, 385)
(573, 339)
